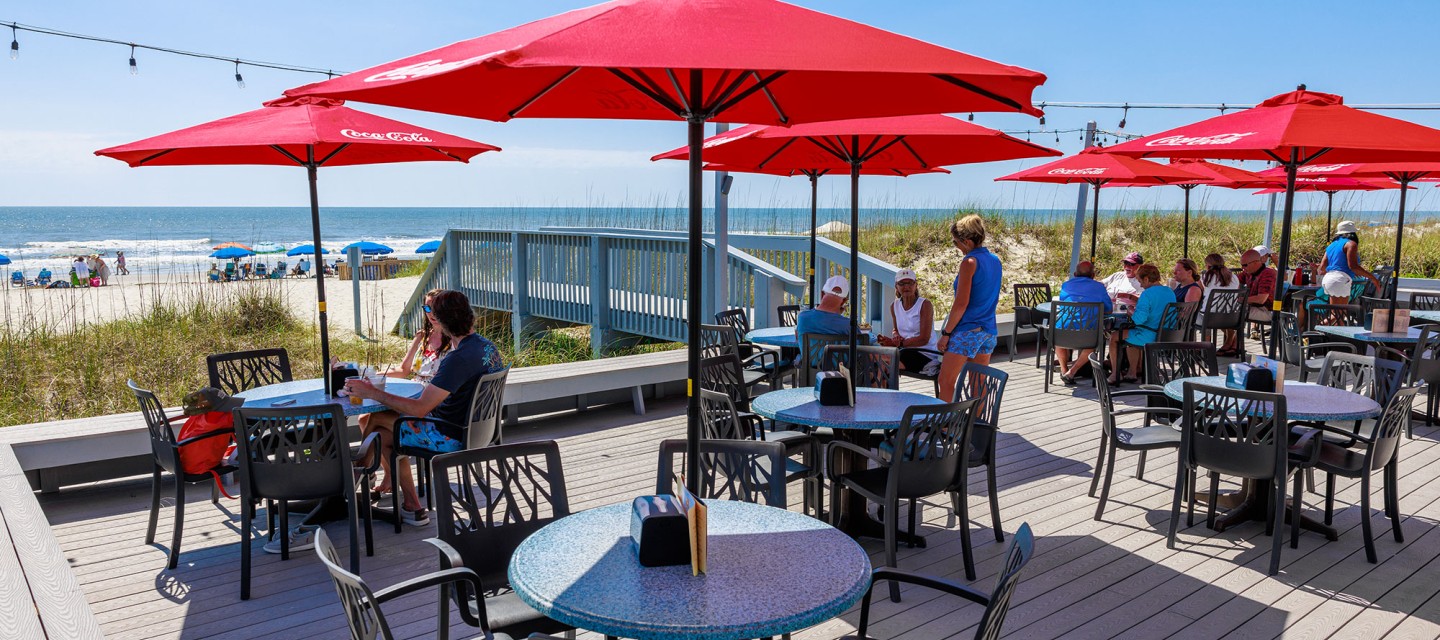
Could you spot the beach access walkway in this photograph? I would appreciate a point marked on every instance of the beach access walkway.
(1089, 579)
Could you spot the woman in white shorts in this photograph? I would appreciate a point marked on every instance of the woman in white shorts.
(1341, 265)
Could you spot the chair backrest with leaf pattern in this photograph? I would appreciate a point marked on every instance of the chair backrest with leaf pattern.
(879, 367)
(742, 470)
(240, 371)
(1022, 548)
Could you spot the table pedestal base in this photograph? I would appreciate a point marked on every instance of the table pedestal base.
(852, 517)
(1255, 506)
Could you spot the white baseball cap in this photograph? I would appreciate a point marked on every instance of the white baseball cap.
(837, 286)
(905, 274)
(1345, 227)
(1262, 250)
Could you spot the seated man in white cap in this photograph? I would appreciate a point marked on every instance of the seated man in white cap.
(1266, 254)
(829, 315)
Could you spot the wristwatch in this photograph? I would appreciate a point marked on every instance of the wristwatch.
(946, 333)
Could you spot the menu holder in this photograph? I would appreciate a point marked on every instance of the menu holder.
(1380, 319)
(694, 510)
(660, 530)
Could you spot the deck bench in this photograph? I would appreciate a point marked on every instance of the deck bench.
(66, 452)
(39, 594)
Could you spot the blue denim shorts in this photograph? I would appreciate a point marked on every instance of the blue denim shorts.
(424, 435)
(971, 343)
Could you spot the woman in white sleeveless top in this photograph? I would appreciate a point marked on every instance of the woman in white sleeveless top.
(913, 319)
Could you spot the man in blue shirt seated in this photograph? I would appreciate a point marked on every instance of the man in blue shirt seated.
(1083, 287)
(828, 317)
(447, 398)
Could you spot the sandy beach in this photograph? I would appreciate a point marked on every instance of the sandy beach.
(381, 302)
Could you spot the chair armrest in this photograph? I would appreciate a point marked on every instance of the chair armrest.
(363, 450)
(449, 556)
(1149, 387)
(1393, 353)
(923, 350)
(209, 434)
(759, 357)
(1328, 428)
(1147, 411)
(450, 559)
(836, 445)
(756, 422)
(1139, 392)
(929, 582)
(461, 575)
(1306, 449)
(1327, 346)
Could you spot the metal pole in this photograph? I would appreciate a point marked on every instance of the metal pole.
(1329, 210)
(1395, 266)
(696, 133)
(854, 249)
(1095, 223)
(722, 236)
(1270, 224)
(355, 258)
(814, 200)
(1187, 188)
(311, 169)
(1080, 205)
(1284, 262)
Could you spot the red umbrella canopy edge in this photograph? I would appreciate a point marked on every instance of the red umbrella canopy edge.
(789, 173)
(292, 124)
(1220, 175)
(761, 61)
(1097, 168)
(1313, 125)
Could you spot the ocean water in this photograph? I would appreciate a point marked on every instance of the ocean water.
(159, 240)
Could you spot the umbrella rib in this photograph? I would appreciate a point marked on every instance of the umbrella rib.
(446, 153)
(548, 88)
(870, 155)
(662, 100)
(777, 152)
(823, 144)
(332, 154)
(674, 82)
(760, 84)
(906, 144)
(729, 90)
(984, 92)
(1315, 155)
(289, 155)
(152, 157)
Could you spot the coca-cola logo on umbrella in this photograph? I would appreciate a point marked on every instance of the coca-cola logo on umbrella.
(1323, 168)
(1197, 141)
(427, 68)
(392, 136)
(1089, 171)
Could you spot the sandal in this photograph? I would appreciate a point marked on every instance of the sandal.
(1131, 379)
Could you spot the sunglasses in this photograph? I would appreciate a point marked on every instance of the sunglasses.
(426, 308)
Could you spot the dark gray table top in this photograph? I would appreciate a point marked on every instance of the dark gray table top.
(874, 408)
(1303, 400)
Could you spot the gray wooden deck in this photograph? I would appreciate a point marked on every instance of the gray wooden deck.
(1089, 579)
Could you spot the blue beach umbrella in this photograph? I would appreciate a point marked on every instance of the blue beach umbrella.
(231, 253)
(369, 248)
(305, 250)
(429, 247)
(4, 260)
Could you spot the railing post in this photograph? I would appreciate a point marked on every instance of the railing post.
(600, 325)
(520, 290)
(452, 260)
(763, 316)
(711, 264)
(882, 296)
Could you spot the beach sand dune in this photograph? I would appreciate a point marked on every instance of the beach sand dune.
(381, 302)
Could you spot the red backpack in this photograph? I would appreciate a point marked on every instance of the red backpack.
(205, 455)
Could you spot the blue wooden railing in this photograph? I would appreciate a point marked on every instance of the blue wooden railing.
(552, 275)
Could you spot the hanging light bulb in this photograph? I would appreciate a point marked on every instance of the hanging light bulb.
(971, 118)
(1124, 114)
(1042, 121)
(14, 43)
(239, 80)
(134, 69)
(1057, 136)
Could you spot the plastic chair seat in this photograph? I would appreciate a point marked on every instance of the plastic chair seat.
(511, 617)
(1155, 436)
(1339, 460)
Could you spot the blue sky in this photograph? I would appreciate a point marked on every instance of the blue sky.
(65, 98)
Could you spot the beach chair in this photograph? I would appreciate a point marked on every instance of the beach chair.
(214, 276)
(17, 278)
(43, 279)
(278, 272)
(261, 271)
(229, 271)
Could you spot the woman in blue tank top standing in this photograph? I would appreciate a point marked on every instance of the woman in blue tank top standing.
(1341, 265)
(969, 331)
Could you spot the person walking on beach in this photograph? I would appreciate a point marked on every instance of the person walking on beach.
(969, 331)
(913, 319)
(101, 269)
(446, 398)
(120, 264)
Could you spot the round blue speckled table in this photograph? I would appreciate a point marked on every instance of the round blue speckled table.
(874, 408)
(771, 571)
(785, 337)
(1369, 335)
(1303, 400)
(1428, 316)
(312, 392)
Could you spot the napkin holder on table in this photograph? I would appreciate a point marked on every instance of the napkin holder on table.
(832, 389)
(338, 377)
(660, 531)
(1250, 377)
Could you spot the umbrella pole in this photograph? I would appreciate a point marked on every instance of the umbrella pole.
(696, 133)
(854, 253)
(1329, 210)
(1284, 261)
(1095, 224)
(1395, 266)
(311, 168)
(1187, 189)
(814, 199)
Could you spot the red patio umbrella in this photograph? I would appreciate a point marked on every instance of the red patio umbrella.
(1326, 185)
(757, 61)
(913, 143)
(814, 175)
(1100, 169)
(1294, 129)
(307, 132)
(1216, 175)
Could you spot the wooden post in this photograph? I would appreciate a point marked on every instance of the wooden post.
(520, 288)
(600, 327)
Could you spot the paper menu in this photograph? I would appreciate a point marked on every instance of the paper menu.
(1380, 320)
(694, 510)
(849, 382)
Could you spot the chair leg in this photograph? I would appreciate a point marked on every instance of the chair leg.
(246, 516)
(1214, 495)
(1310, 479)
(1295, 514)
(1365, 515)
(174, 560)
(1140, 467)
(891, 515)
(1099, 467)
(994, 501)
(368, 514)
(1105, 488)
(1329, 498)
(1049, 370)
(1180, 474)
(215, 490)
(911, 542)
(1392, 476)
(834, 504)
(154, 506)
(352, 519)
(960, 502)
(395, 486)
(1277, 514)
(1013, 329)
